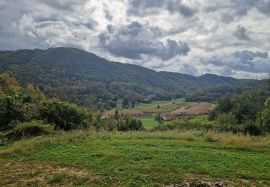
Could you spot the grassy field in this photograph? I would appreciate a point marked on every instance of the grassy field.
(149, 122)
(136, 159)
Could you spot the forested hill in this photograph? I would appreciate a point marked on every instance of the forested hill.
(85, 78)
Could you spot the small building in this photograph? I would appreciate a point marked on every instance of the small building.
(167, 116)
(104, 115)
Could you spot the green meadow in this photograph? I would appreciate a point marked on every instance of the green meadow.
(91, 158)
(149, 123)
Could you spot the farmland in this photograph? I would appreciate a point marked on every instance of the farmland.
(176, 107)
(156, 159)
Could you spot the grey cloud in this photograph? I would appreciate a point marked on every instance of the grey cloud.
(136, 40)
(65, 5)
(143, 7)
(230, 10)
(243, 6)
(176, 6)
(241, 33)
(207, 26)
(246, 61)
(43, 24)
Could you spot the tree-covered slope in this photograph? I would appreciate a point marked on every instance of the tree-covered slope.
(85, 78)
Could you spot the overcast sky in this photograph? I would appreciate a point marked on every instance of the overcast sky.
(225, 37)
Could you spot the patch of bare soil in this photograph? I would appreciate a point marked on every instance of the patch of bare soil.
(32, 174)
(195, 180)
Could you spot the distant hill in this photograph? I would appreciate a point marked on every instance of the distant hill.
(84, 78)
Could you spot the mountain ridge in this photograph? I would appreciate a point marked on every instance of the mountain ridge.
(77, 75)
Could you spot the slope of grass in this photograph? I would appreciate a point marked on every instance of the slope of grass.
(139, 158)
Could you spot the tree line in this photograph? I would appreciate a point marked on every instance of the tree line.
(248, 113)
(26, 110)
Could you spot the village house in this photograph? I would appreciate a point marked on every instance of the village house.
(104, 115)
(167, 116)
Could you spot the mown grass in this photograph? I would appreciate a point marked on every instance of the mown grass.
(149, 158)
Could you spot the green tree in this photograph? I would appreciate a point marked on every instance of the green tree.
(265, 117)
(227, 122)
(125, 103)
(65, 115)
(116, 115)
(158, 118)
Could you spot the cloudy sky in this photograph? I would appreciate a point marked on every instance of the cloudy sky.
(225, 37)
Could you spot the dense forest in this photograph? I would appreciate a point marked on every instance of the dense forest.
(217, 92)
(86, 79)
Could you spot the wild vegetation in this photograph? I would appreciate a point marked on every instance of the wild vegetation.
(247, 113)
(26, 112)
(24, 104)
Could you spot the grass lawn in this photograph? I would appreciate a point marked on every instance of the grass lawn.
(136, 159)
(149, 122)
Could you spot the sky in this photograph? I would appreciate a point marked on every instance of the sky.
(224, 37)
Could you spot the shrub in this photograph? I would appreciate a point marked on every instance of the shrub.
(108, 124)
(212, 115)
(199, 122)
(65, 115)
(29, 129)
(227, 122)
(158, 117)
(127, 124)
(252, 128)
(10, 109)
(165, 127)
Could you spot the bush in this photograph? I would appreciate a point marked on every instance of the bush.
(107, 124)
(29, 129)
(158, 118)
(65, 115)
(227, 122)
(252, 128)
(128, 124)
(199, 122)
(165, 127)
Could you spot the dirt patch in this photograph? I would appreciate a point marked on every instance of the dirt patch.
(21, 173)
(196, 180)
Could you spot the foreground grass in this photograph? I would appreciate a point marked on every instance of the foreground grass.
(137, 158)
